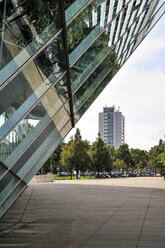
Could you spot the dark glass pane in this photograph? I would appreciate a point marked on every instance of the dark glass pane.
(38, 117)
(48, 151)
(34, 80)
(79, 30)
(8, 182)
(72, 7)
(109, 63)
(25, 26)
(89, 60)
(14, 193)
(2, 168)
(96, 93)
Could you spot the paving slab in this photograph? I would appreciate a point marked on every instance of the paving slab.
(127, 212)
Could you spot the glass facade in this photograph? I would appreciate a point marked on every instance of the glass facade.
(55, 59)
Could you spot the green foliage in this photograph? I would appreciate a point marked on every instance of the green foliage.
(91, 85)
(75, 154)
(156, 157)
(109, 158)
(78, 29)
(67, 157)
(41, 13)
(125, 155)
(53, 162)
(100, 155)
(139, 158)
(120, 165)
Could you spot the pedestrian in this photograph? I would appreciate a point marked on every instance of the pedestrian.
(78, 176)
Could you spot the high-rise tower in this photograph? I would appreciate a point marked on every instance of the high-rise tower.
(112, 126)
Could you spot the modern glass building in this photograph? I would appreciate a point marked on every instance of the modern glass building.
(56, 57)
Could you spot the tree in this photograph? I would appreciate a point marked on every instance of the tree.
(80, 153)
(75, 154)
(113, 154)
(139, 158)
(125, 155)
(109, 158)
(100, 155)
(156, 157)
(161, 162)
(53, 162)
(120, 165)
(67, 157)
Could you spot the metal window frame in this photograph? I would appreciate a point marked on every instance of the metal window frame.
(66, 55)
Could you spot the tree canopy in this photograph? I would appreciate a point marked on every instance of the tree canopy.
(78, 155)
(74, 155)
(100, 155)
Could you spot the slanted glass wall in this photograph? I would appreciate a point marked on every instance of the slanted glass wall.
(56, 57)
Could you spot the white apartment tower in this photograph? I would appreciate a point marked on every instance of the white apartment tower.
(112, 126)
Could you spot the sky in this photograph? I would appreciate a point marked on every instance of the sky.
(139, 89)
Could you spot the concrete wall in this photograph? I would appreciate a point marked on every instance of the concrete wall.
(42, 178)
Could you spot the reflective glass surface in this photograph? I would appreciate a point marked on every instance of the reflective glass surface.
(2, 168)
(8, 182)
(25, 26)
(95, 94)
(33, 81)
(80, 33)
(11, 197)
(48, 134)
(89, 60)
(42, 112)
(97, 76)
(49, 150)
(71, 10)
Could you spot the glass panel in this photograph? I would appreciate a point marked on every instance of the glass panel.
(8, 182)
(95, 94)
(2, 168)
(50, 149)
(44, 111)
(11, 198)
(157, 15)
(39, 163)
(25, 26)
(66, 130)
(33, 81)
(98, 75)
(74, 8)
(80, 33)
(89, 60)
(47, 135)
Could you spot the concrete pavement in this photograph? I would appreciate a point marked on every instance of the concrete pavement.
(89, 214)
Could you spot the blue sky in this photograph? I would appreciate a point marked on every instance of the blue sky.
(139, 89)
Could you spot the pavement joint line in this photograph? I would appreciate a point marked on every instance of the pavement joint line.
(20, 220)
(106, 220)
(68, 221)
(145, 215)
(32, 191)
(8, 227)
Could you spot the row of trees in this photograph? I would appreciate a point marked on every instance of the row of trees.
(79, 155)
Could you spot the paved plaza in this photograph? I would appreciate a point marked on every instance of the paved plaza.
(92, 213)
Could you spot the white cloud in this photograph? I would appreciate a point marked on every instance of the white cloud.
(149, 49)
